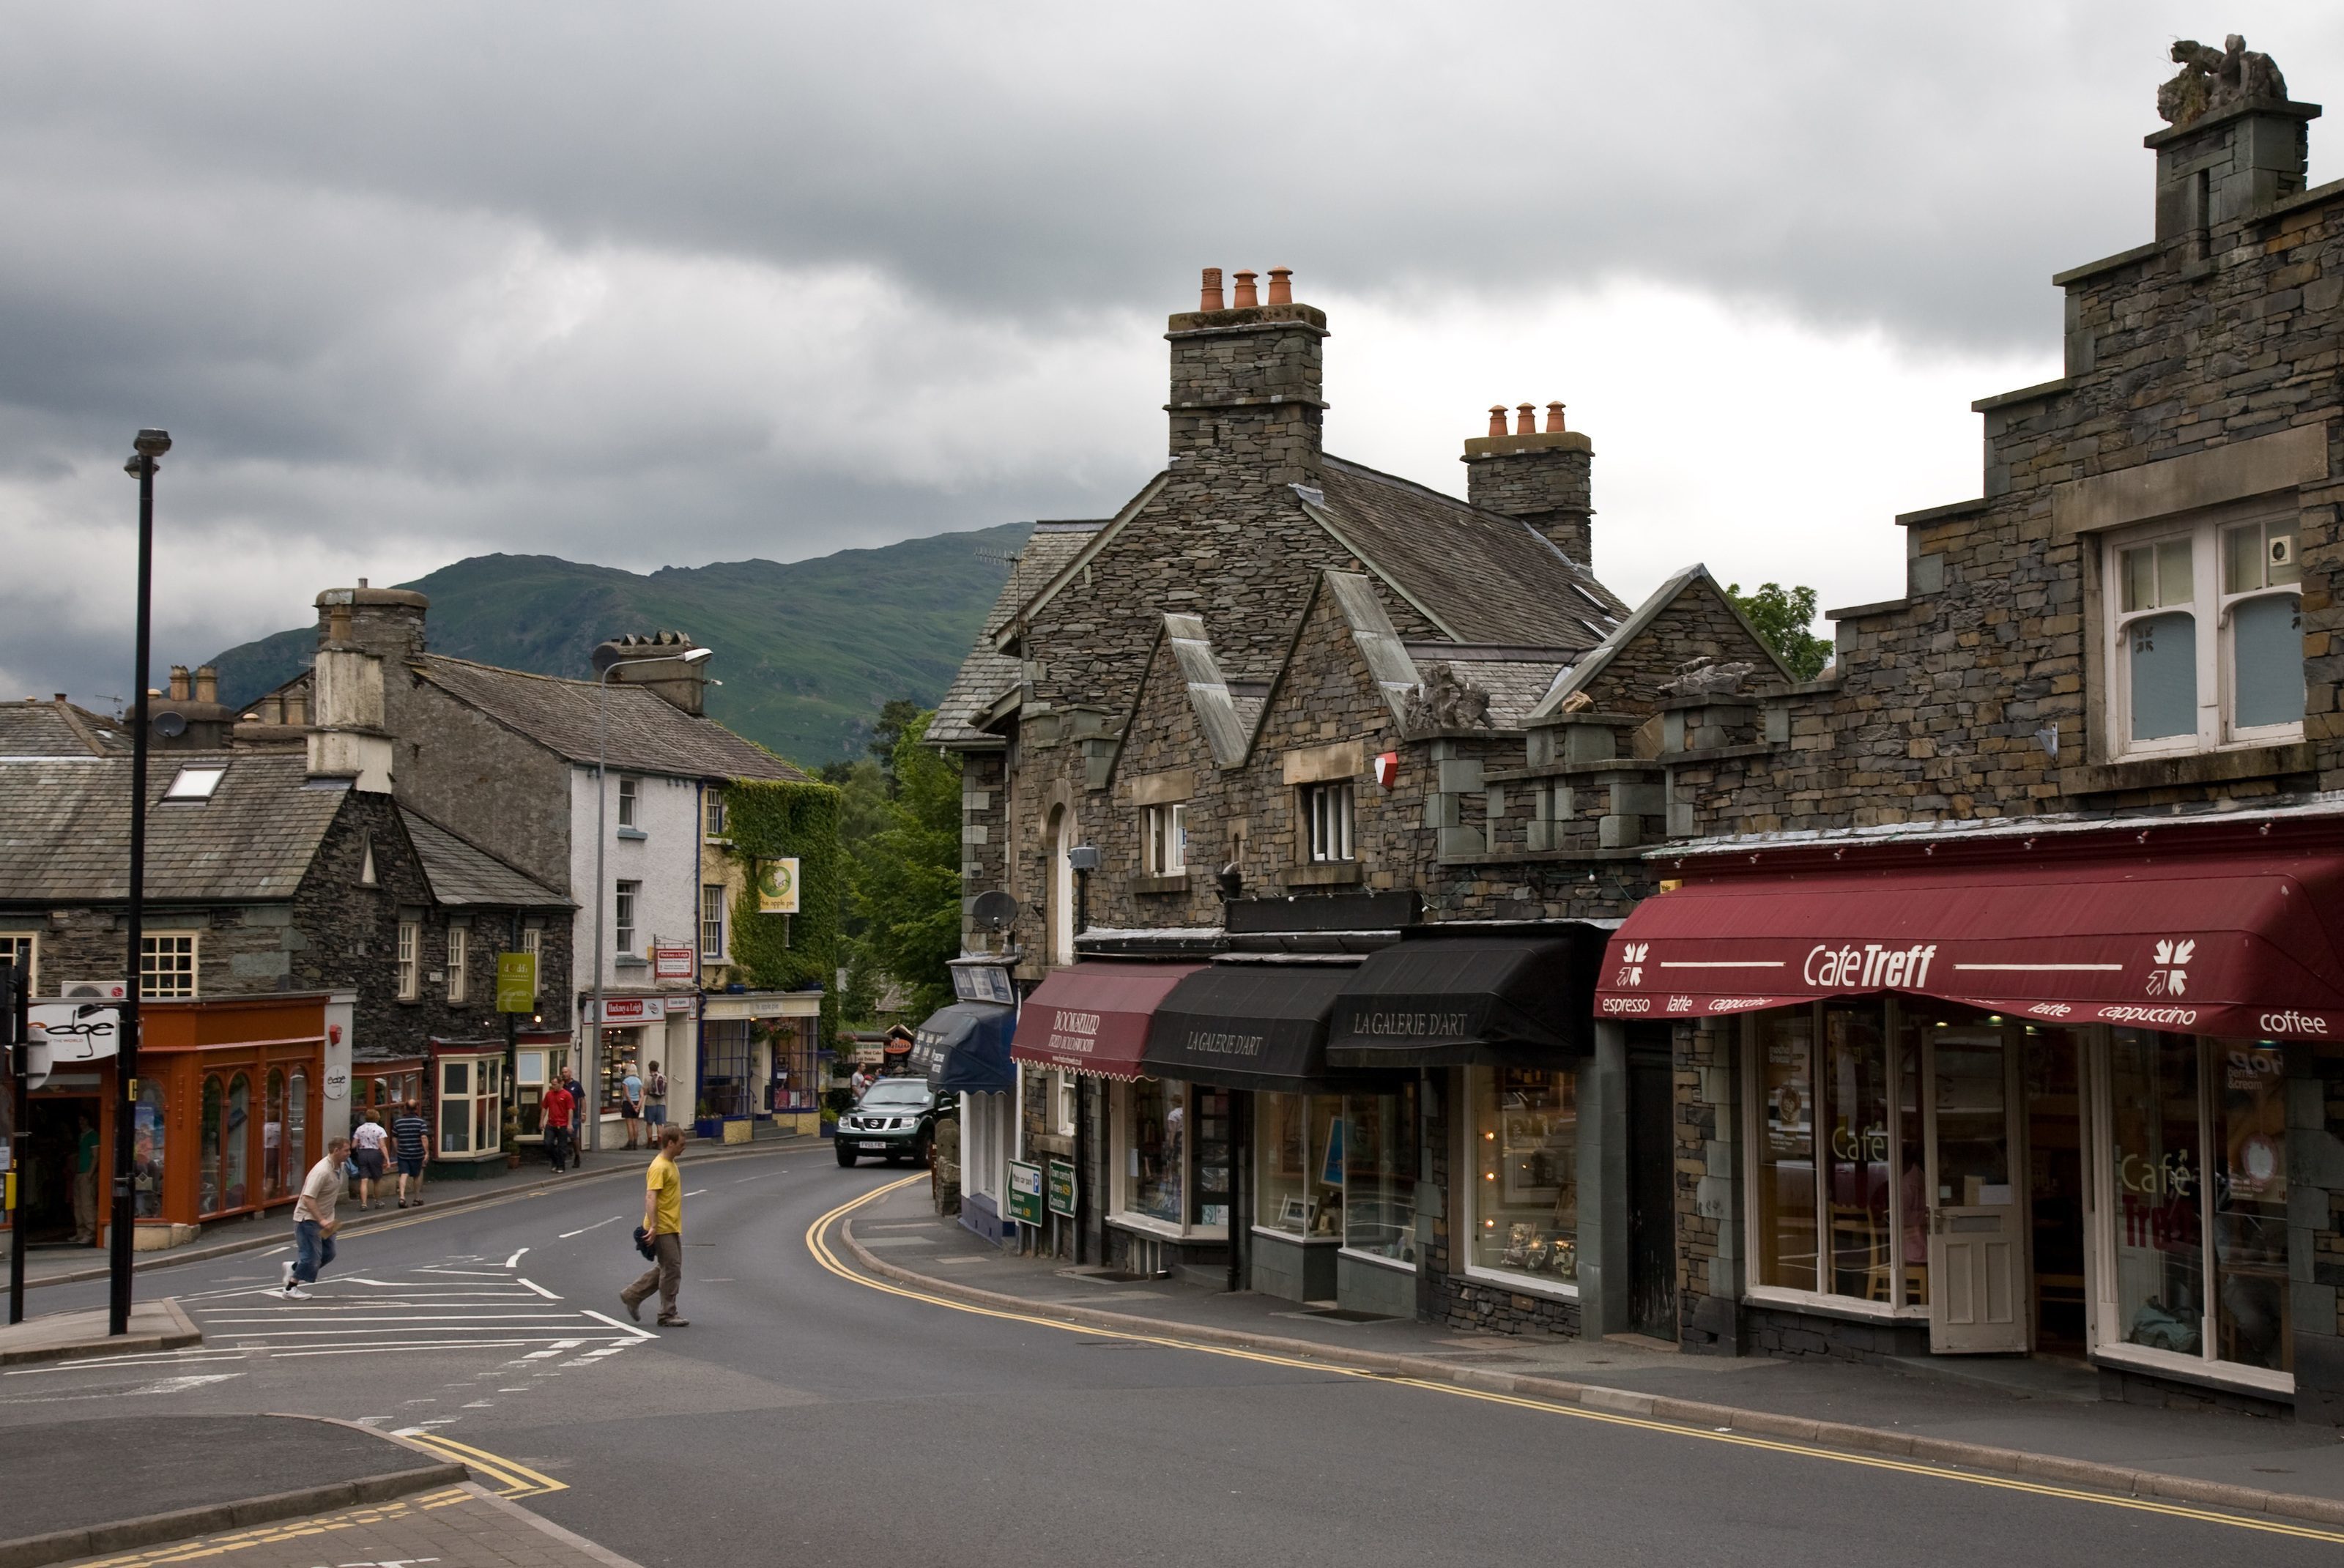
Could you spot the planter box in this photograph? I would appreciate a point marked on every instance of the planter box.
(711, 1127)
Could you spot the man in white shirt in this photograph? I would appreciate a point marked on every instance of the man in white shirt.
(367, 1140)
(313, 1221)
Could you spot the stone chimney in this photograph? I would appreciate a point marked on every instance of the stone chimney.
(384, 621)
(189, 717)
(2235, 144)
(684, 684)
(1539, 475)
(1247, 380)
(349, 737)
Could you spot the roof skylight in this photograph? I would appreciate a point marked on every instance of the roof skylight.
(196, 783)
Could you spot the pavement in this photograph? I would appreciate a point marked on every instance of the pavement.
(815, 1410)
(2008, 1414)
(65, 1336)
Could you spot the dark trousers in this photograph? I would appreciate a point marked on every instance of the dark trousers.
(557, 1147)
(665, 1275)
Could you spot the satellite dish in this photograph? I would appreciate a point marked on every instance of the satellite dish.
(170, 726)
(996, 910)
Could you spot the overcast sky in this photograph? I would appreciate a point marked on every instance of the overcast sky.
(651, 285)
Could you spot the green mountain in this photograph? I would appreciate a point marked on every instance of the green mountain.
(807, 651)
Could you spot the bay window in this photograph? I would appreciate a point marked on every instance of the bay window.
(2205, 639)
(1174, 1174)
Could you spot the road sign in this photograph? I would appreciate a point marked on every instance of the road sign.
(516, 982)
(1061, 1188)
(1024, 1193)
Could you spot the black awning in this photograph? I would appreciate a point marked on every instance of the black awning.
(1483, 999)
(965, 1046)
(1250, 1026)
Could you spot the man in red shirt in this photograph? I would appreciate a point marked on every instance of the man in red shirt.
(557, 1105)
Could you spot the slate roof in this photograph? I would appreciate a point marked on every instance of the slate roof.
(1516, 687)
(57, 729)
(463, 873)
(647, 734)
(986, 674)
(1586, 669)
(65, 828)
(1481, 576)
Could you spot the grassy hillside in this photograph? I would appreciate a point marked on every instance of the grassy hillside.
(807, 651)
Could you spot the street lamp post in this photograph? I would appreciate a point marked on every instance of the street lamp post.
(146, 447)
(589, 1125)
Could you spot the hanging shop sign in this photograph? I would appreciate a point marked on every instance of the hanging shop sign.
(777, 886)
(1024, 1193)
(64, 1034)
(674, 964)
(1061, 1188)
(516, 982)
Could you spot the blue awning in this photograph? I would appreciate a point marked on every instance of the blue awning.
(965, 1047)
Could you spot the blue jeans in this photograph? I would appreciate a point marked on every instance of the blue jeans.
(312, 1251)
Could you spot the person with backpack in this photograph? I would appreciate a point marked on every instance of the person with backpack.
(631, 1094)
(410, 1141)
(654, 1105)
(558, 1106)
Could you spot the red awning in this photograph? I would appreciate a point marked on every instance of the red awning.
(1093, 1018)
(2239, 944)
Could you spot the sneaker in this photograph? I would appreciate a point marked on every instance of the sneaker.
(675, 1323)
(634, 1309)
(286, 1283)
(293, 1293)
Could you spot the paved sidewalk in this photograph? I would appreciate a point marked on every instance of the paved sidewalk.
(69, 1336)
(463, 1526)
(2033, 1407)
(64, 1266)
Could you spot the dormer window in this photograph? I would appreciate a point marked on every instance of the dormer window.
(195, 783)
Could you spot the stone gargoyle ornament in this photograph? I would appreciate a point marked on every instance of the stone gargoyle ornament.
(2212, 79)
(1443, 699)
(1707, 676)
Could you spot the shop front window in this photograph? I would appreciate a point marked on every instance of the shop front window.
(487, 1104)
(1300, 1165)
(1783, 1196)
(147, 1151)
(529, 1091)
(236, 1144)
(2197, 1157)
(208, 1187)
(1379, 1166)
(1855, 1151)
(296, 1127)
(1525, 1136)
(1158, 1154)
(272, 1140)
(456, 1107)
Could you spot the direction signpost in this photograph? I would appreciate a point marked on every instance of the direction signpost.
(1026, 1193)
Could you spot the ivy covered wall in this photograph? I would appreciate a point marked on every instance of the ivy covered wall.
(773, 820)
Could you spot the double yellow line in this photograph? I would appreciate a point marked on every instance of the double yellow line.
(512, 1479)
(817, 1242)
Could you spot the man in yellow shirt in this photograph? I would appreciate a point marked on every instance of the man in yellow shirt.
(664, 1229)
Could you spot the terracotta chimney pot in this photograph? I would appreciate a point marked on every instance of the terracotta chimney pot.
(1496, 418)
(1245, 298)
(1208, 296)
(179, 682)
(1554, 419)
(1281, 285)
(206, 684)
(1526, 419)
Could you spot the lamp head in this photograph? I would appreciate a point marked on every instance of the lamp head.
(696, 655)
(152, 443)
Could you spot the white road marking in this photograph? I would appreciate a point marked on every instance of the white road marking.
(168, 1358)
(160, 1386)
(540, 1289)
(695, 1192)
(515, 1259)
(595, 1226)
(635, 1328)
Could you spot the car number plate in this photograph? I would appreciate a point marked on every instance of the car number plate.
(875, 1148)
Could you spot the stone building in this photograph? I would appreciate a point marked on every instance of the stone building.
(2004, 957)
(300, 929)
(1236, 738)
(509, 760)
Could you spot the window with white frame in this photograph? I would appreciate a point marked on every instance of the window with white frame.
(167, 965)
(1164, 832)
(460, 944)
(1327, 809)
(533, 943)
(622, 917)
(713, 809)
(2205, 636)
(22, 949)
(1064, 1099)
(629, 796)
(1174, 1172)
(411, 960)
(712, 921)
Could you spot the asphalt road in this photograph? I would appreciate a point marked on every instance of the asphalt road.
(803, 1413)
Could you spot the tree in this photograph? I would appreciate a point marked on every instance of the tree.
(907, 874)
(895, 716)
(1784, 618)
